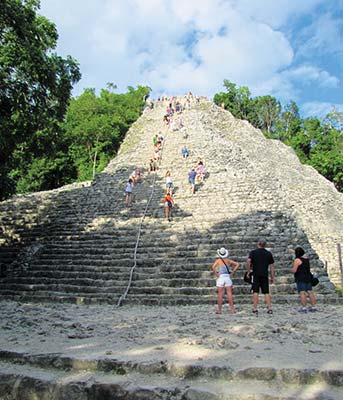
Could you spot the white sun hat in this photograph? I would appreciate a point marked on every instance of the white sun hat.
(223, 252)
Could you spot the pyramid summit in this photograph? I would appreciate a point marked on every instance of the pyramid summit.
(80, 242)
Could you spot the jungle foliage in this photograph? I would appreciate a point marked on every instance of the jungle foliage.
(317, 142)
(95, 127)
(47, 139)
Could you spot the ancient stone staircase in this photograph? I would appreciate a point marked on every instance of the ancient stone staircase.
(77, 243)
(51, 376)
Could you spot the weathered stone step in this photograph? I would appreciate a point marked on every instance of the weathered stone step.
(79, 267)
(57, 297)
(205, 289)
(285, 375)
(96, 254)
(97, 281)
(189, 287)
(141, 273)
(27, 382)
(150, 266)
(152, 300)
(110, 274)
(169, 300)
(80, 257)
(158, 243)
(26, 376)
(65, 288)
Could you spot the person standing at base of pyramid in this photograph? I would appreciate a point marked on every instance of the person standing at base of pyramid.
(221, 268)
(260, 261)
(303, 278)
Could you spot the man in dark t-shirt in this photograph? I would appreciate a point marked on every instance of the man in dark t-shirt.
(260, 260)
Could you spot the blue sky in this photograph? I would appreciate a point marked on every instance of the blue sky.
(291, 49)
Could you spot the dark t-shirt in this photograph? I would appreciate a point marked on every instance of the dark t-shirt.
(260, 261)
(303, 273)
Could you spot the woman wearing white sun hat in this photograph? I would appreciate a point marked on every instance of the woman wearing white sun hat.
(221, 268)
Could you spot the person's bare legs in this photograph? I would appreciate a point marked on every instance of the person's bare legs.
(166, 212)
(255, 301)
(302, 297)
(230, 298)
(268, 301)
(220, 291)
(312, 298)
(128, 199)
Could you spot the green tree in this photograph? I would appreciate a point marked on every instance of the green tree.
(236, 100)
(306, 138)
(35, 88)
(289, 122)
(96, 126)
(326, 154)
(335, 120)
(267, 110)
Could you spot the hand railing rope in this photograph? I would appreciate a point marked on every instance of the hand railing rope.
(123, 296)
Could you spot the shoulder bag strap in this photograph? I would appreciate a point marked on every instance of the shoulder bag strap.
(227, 268)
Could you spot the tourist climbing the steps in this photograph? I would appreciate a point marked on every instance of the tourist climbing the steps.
(128, 192)
(169, 183)
(303, 279)
(191, 179)
(155, 140)
(152, 165)
(260, 260)
(221, 268)
(184, 152)
(160, 138)
(136, 175)
(201, 171)
(168, 203)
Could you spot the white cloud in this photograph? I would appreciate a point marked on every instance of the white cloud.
(308, 74)
(175, 46)
(323, 36)
(276, 85)
(272, 12)
(319, 109)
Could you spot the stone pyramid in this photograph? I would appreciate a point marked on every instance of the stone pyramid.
(80, 243)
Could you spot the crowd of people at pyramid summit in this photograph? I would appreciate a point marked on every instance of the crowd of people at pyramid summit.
(260, 270)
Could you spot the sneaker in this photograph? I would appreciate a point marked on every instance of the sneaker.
(312, 309)
(303, 310)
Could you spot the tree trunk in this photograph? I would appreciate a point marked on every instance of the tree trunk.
(94, 163)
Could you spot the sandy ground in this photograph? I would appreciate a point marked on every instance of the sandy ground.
(186, 335)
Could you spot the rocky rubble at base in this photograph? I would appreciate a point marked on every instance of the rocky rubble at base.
(60, 351)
